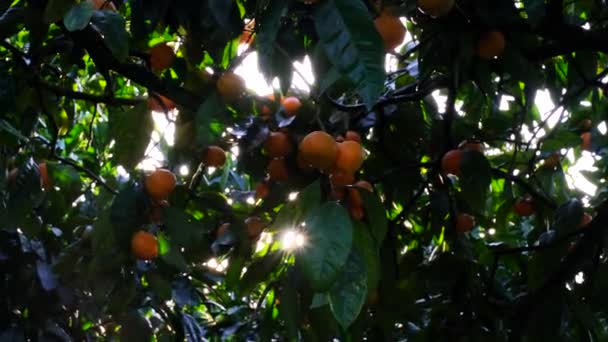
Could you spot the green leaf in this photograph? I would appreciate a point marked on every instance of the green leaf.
(259, 270)
(272, 62)
(568, 216)
(111, 26)
(365, 244)
(55, 9)
(535, 10)
(475, 179)
(171, 255)
(131, 130)
(347, 31)
(329, 236)
(79, 16)
(376, 215)
(206, 116)
(160, 286)
(348, 294)
(182, 229)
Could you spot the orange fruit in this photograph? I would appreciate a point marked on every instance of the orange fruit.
(255, 226)
(352, 136)
(587, 124)
(248, 35)
(303, 165)
(262, 190)
(391, 30)
(291, 105)
(11, 178)
(356, 213)
(585, 220)
(104, 5)
(337, 194)
(278, 145)
(524, 207)
(318, 149)
(354, 196)
(339, 139)
(450, 163)
(491, 45)
(586, 142)
(341, 178)
(221, 230)
(160, 183)
(373, 298)
(214, 156)
(349, 157)
(160, 106)
(161, 57)
(552, 161)
(45, 180)
(230, 86)
(144, 245)
(472, 145)
(435, 8)
(277, 170)
(464, 223)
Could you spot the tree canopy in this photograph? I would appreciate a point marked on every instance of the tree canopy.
(416, 190)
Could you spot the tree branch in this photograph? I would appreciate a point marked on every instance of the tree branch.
(59, 91)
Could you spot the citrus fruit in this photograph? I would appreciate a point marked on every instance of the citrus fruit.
(144, 245)
(552, 161)
(354, 196)
(341, 178)
(391, 30)
(104, 5)
(356, 213)
(464, 223)
(160, 183)
(472, 145)
(277, 170)
(450, 163)
(524, 207)
(248, 35)
(490, 45)
(587, 124)
(255, 226)
(318, 149)
(291, 105)
(222, 229)
(278, 145)
(214, 156)
(161, 57)
(160, 103)
(45, 180)
(435, 8)
(586, 141)
(352, 136)
(585, 220)
(230, 86)
(349, 157)
(11, 178)
(262, 190)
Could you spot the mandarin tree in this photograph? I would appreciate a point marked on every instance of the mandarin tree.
(298, 170)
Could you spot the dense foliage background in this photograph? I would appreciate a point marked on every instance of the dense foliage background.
(78, 81)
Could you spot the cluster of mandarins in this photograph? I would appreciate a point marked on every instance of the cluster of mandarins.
(340, 158)
(451, 164)
(158, 186)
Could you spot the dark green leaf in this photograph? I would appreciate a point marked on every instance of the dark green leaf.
(79, 16)
(376, 215)
(475, 179)
(351, 42)
(208, 114)
(131, 130)
(348, 294)
(112, 27)
(329, 240)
